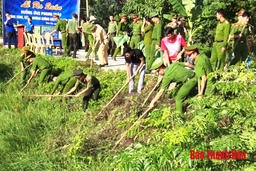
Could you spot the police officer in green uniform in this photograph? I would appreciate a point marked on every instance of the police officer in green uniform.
(147, 29)
(39, 65)
(220, 41)
(61, 26)
(112, 29)
(23, 62)
(66, 79)
(156, 36)
(122, 29)
(86, 28)
(72, 29)
(176, 72)
(239, 32)
(203, 69)
(136, 32)
(91, 84)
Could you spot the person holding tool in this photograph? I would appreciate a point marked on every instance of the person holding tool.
(239, 33)
(135, 64)
(176, 72)
(24, 64)
(92, 89)
(67, 80)
(39, 65)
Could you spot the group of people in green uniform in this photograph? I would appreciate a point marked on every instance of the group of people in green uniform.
(199, 69)
(195, 71)
(69, 81)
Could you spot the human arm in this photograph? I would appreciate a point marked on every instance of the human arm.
(142, 62)
(34, 72)
(22, 66)
(72, 89)
(226, 31)
(128, 72)
(183, 44)
(165, 54)
(156, 98)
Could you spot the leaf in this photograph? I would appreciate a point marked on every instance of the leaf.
(178, 6)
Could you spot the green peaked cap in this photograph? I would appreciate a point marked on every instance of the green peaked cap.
(157, 63)
(25, 48)
(78, 72)
(192, 47)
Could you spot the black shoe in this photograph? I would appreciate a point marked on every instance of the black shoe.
(101, 65)
(96, 59)
(106, 64)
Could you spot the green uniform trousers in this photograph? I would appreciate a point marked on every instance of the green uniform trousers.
(24, 75)
(183, 92)
(151, 57)
(111, 44)
(147, 56)
(91, 43)
(134, 41)
(43, 74)
(91, 93)
(218, 57)
(118, 50)
(64, 43)
(240, 53)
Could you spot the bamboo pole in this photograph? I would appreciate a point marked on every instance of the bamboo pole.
(115, 95)
(149, 95)
(48, 95)
(135, 123)
(29, 82)
(17, 74)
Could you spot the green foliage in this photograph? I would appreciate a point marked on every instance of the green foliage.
(37, 134)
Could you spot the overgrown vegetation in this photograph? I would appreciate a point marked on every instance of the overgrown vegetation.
(37, 134)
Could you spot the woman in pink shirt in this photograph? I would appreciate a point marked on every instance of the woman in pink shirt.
(171, 45)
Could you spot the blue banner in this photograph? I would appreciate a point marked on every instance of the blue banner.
(41, 11)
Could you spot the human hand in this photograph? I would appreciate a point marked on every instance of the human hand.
(127, 80)
(223, 49)
(152, 104)
(136, 73)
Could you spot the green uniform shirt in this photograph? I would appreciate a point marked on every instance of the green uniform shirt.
(148, 34)
(61, 26)
(222, 32)
(157, 32)
(236, 29)
(176, 72)
(72, 26)
(40, 63)
(63, 79)
(112, 27)
(122, 27)
(29, 53)
(203, 67)
(85, 27)
(93, 83)
(136, 28)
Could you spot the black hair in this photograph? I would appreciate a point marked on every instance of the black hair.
(87, 18)
(222, 12)
(246, 14)
(74, 15)
(127, 50)
(147, 18)
(30, 17)
(7, 12)
(111, 15)
(169, 30)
